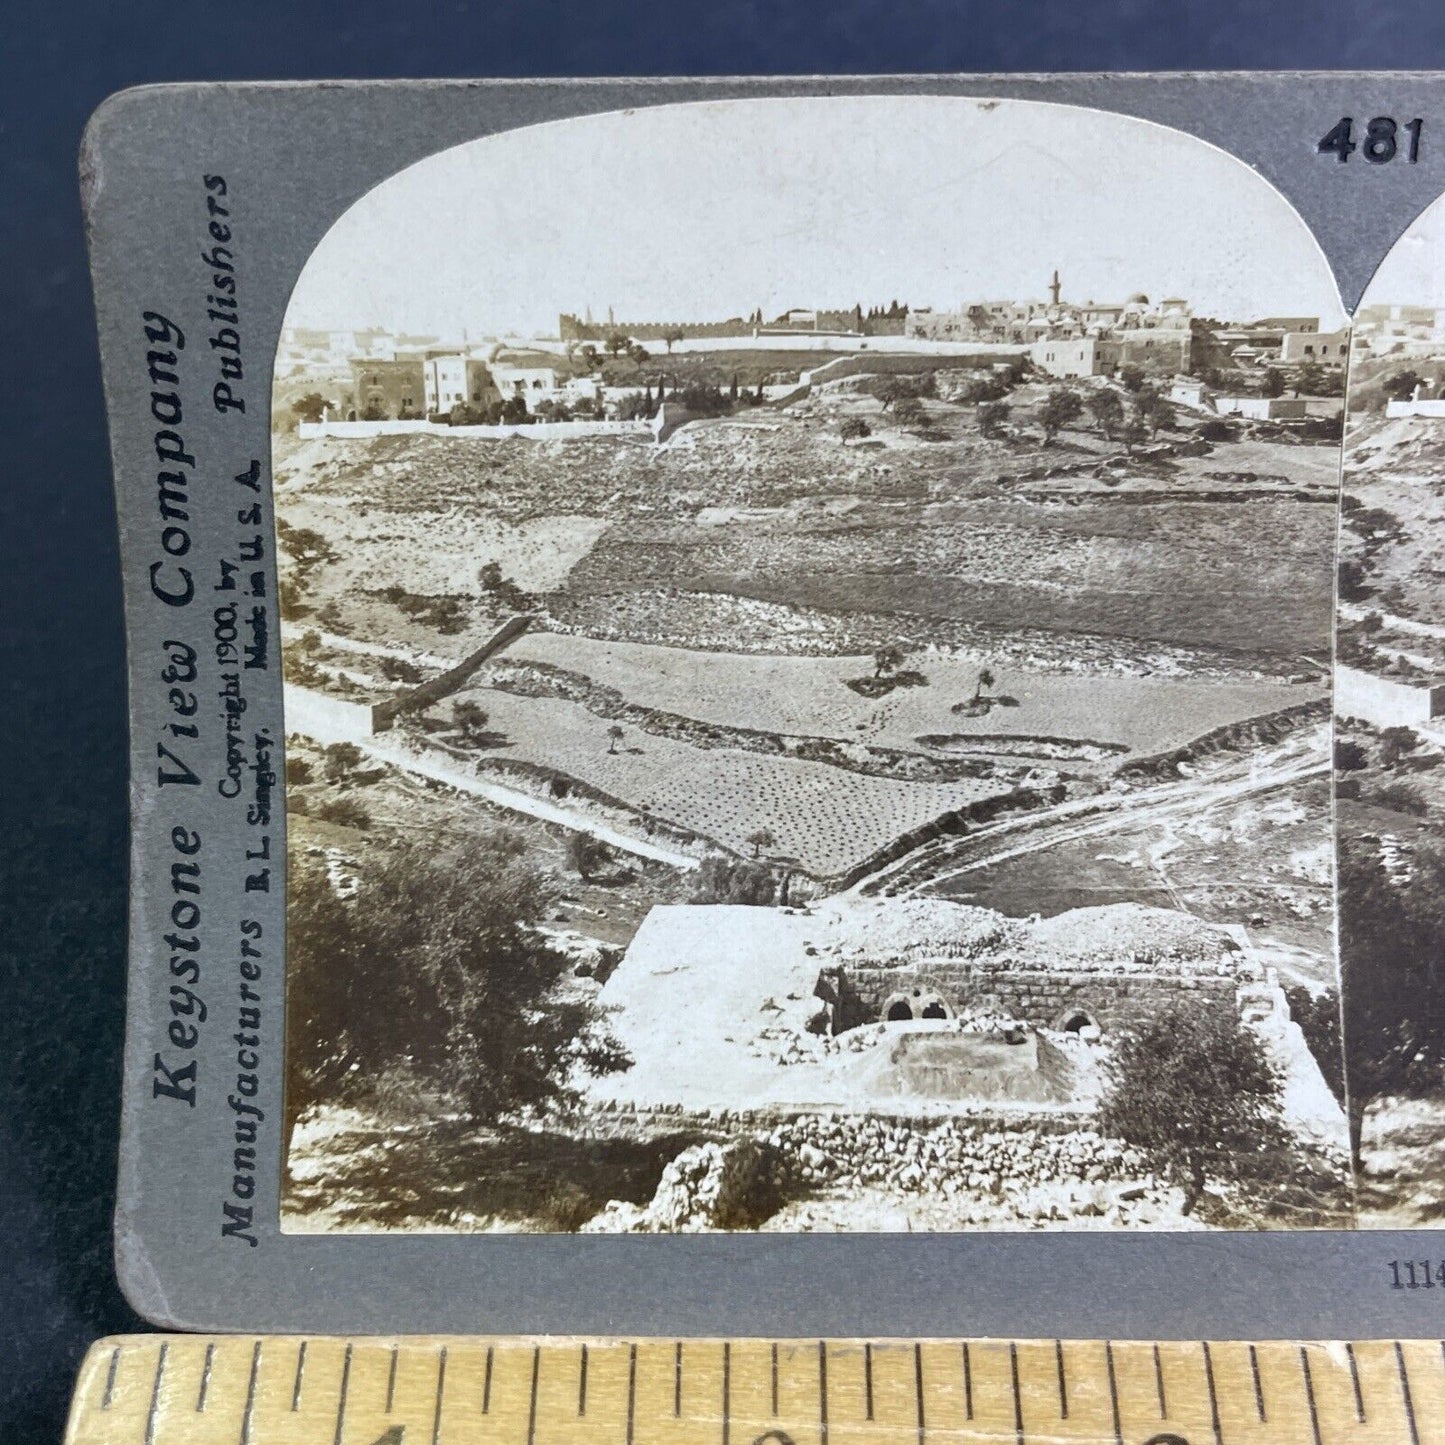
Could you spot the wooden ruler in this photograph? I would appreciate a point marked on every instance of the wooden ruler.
(285, 1390)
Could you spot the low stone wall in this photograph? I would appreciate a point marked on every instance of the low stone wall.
(1043, 998)
(540, 431)
(1383, 701)
(384, 714)
(1416, 406)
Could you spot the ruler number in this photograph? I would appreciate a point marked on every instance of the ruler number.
(1383, 140)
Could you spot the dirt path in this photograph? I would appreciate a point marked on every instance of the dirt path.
(444, 771)
(1291, 762)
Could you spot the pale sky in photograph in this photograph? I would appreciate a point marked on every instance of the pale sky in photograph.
(705, 211)
(1413, 274)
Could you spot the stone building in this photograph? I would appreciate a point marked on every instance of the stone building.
(384, 390)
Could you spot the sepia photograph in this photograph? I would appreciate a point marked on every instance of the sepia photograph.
(1390, 735)
(807, 634)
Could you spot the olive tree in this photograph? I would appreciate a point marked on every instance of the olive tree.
(434, 965)
(1194, 1090)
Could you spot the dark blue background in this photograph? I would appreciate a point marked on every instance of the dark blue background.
(64, 795)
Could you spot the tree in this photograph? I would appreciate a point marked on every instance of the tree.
(615, 735)
(887, 659)
(617, 343)
(1309, 379)
(1392, 967)
(514, 410)
(1274, 382)
(1131, 377)
(311, 407)
(1134, 431)
(1061, 407)
(436, 969)
(339, 760)
(854, 428)
(1395, 743)
(586, 854)
(985, 680)
(1194, 1089)
(1154, 410)
(470, 720)
(1107, 410)
(993, 418)
(1401, 386)
(759, 839)
(670, 336)
(1318, 1016)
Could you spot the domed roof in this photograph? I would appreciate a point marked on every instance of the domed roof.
(1137, 299)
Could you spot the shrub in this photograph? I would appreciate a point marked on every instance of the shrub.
(340, 760)
(1400, 797)
(586, 854)
(398, 669)
(298, 771)
(1350, 756)
(751, 1191)
(908, 411)
(345, 812)
(309, 407)
(854, 428)
(1395, 743)
(1216, 429)
(734, 880)
(1353, 587)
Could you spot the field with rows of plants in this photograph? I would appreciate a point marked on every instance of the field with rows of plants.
(827, 819)
(809, 696)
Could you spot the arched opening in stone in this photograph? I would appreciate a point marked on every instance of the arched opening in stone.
(898, 1011)
(1077, 1021)
(933, 1009)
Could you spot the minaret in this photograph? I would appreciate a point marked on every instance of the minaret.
(1054, 288)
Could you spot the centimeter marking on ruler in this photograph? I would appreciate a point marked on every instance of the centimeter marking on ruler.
(281, 1390)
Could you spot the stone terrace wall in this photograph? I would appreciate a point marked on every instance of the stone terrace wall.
(1045, 997)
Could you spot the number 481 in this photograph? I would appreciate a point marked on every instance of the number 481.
(1381, 143)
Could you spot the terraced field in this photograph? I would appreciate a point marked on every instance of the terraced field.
(829, 820)
(807, 696)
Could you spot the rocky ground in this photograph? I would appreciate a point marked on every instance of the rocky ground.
(837, 1172)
